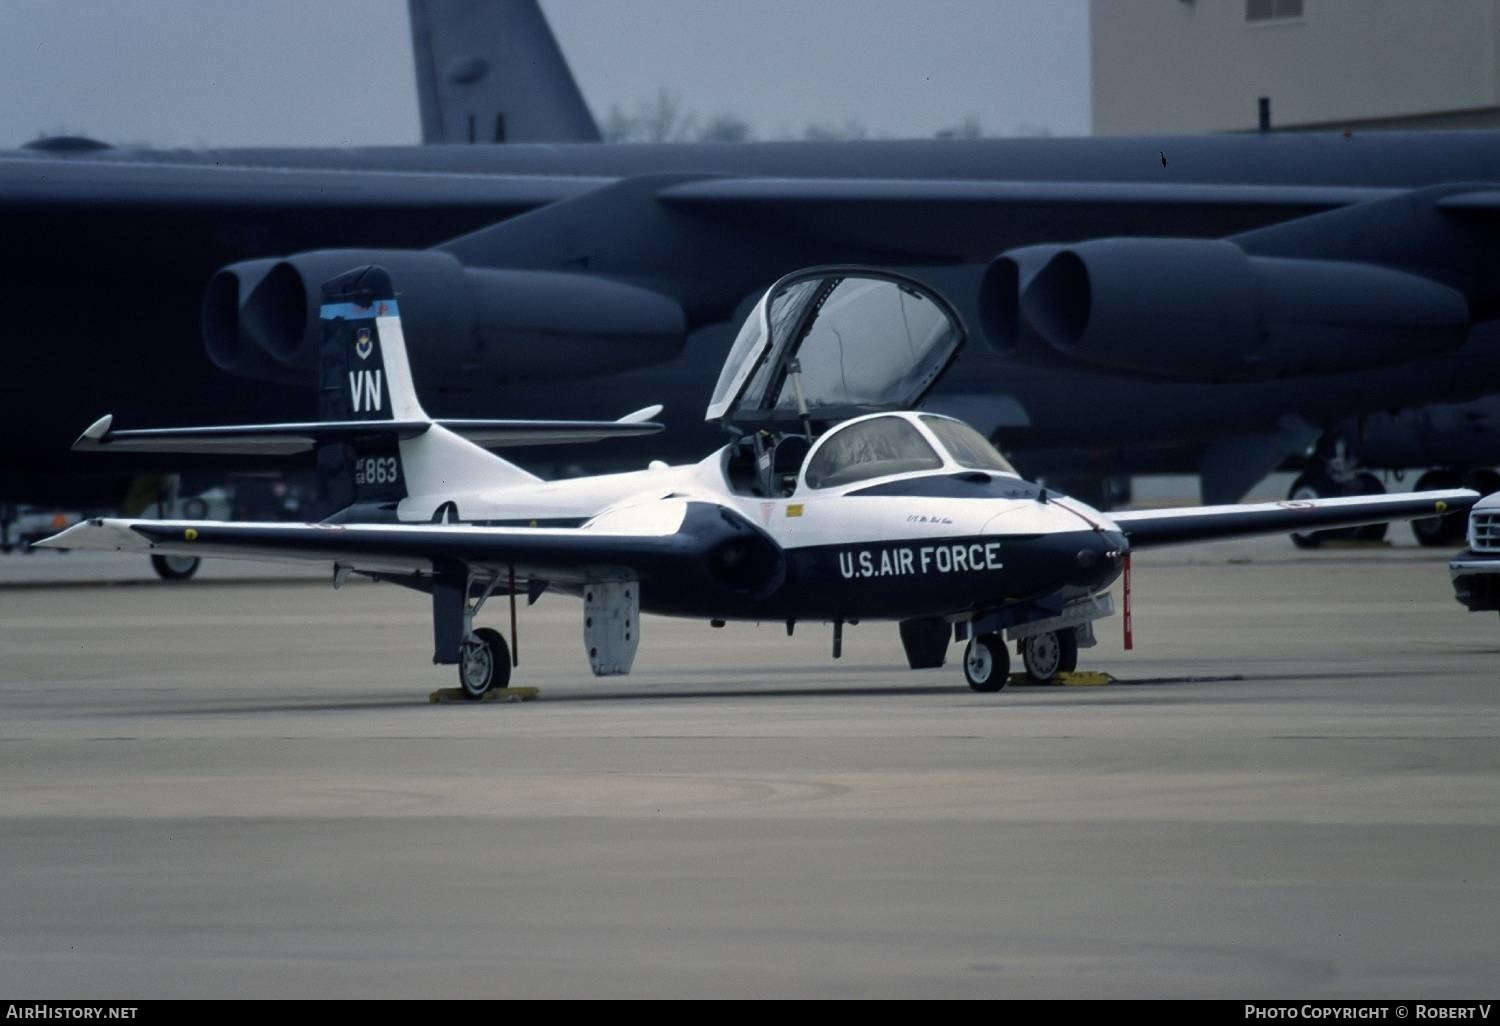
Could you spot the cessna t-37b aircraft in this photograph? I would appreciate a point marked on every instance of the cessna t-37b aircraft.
(833, 502)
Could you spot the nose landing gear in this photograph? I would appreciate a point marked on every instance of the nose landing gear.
(987, 663)
(1048, 654)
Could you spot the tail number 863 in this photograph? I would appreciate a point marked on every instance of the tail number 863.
(376, 470)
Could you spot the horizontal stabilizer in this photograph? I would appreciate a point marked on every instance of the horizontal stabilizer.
(507, 434)
(290, 439)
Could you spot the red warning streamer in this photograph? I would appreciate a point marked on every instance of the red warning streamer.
(1129, 628)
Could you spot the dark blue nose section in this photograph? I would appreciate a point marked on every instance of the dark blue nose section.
(1098, 557)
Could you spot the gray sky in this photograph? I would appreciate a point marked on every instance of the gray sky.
(290, 72)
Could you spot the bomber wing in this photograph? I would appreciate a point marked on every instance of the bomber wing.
(127, 207)
(979, 218)
(1155, 527)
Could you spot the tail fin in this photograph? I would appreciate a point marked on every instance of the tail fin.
(376, 447)
(363, 371)
(491, 73)
(364, 375)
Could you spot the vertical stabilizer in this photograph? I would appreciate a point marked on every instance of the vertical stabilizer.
(363, 370)
(364, 375)
(490, 71)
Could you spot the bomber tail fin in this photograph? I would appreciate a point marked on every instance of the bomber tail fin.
(492, 72)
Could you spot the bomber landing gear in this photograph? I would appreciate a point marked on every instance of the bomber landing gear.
(1450, 529)
(1046, 655)
(483, 663)
(987, 663)
(175, 568)
(1318, 484)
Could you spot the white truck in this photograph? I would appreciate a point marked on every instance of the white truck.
(1476, 570)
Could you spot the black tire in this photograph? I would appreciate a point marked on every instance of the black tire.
(1044, 655)
(1311, 486)
(1068, 638)
(1367, 483)
(987, 663)
(483, 663)
(1483, 480)
(1438, 532)
(1048, 655)
(175, 568)
(926, 642)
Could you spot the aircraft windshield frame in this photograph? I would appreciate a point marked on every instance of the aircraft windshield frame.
(966, 446)
(801, 323)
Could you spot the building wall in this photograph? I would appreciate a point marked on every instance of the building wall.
(1199, 65)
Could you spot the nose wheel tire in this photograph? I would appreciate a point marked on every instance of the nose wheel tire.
(1047, 655)
(483, 663)
(987, 663)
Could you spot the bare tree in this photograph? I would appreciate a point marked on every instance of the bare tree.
(726, 127)
(968, 128)
(828, 131)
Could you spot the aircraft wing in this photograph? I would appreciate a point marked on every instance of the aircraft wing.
(1156, 527)
(982, 217)
(258, 210)
(121, 207)
(671, 539)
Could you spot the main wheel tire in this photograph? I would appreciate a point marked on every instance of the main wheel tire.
(1445, 530)
(175, 568)
(1367, 483)
(1047, 655)
(987, 663)
(1483, 480)
(1311, 486)
(483, 663)
(925, 642)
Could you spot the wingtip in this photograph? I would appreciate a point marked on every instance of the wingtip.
(94, 434)
(645, 413)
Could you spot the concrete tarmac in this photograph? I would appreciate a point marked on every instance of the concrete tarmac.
(236, 787)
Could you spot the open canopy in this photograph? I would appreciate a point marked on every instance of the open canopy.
(859, 340)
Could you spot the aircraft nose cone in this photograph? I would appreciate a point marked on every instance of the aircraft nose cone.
(1099, 557)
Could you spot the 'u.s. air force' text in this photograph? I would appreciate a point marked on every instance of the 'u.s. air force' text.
(899, 560)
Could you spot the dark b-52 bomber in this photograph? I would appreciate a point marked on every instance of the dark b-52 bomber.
(833, 502)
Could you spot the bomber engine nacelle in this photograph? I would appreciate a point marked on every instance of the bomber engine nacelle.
(1206, 309)
(466, 327)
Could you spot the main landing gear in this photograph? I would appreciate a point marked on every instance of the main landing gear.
(1449, 530)
(1331, 473)
(175, 568)
(484, 659)
(1323, 484)
(483, 663)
